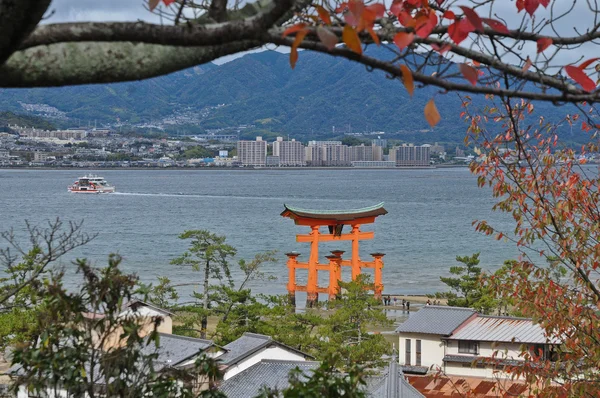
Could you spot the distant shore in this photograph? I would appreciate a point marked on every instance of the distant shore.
(233, 168)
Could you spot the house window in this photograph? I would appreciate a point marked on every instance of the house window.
(468, 347)
(538, 350)
(407, 353)
(418, 353)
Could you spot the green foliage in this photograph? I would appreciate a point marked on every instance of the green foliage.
(345, 330)
(164, 294)
(208, 252)
(73, 351)
(197, 152)
(10, 118)
(354, 141)
(467, 291)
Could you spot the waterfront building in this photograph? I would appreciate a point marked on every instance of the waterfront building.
(252, 153)
(291, 153)
(223, 153)
(410, 155)
(327, 153)
(313, 155)
(335, 155)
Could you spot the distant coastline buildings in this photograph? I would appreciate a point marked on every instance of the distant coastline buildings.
(330, 154)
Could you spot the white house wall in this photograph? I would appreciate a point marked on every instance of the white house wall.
(266, 353)
(487, 350)
(432, 349)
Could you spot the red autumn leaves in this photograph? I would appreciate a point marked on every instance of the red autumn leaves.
(152, 4)
(578, 74)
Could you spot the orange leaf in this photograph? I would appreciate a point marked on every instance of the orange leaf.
(407, 79)
(351, 39)
(543, 44)
(328, 38)
(527, 64)
(168, 2)
(403, 39)
(431, 113)
(294, 53)
(324, 15)
(152, 4)
(374, 35)
(469, 73)
(473, 18)
(293, 29)
(580, 77)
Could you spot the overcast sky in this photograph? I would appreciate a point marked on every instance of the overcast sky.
(99, 10)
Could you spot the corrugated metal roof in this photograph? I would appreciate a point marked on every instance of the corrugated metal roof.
(433, 319)
(502, 329)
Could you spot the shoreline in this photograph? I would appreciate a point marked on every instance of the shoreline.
(214, 168)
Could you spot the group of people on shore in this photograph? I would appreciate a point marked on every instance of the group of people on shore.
(387, 301)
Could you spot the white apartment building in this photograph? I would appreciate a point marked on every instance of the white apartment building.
(462, 342)
(291, 153)
(313, 155)
(410, 155)
(368, 153)
(252, 153)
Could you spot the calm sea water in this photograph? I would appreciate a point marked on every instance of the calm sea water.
(428, 225)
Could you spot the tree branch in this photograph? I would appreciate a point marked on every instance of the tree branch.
(18, 18)
(179, 35)
(87, 63)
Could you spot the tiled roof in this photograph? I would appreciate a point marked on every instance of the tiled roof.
(267, 373)
(502, 329)
(391, 384)
(174, 349)
(247, 345)
(433, 319)
(458, 386)
(134, 304)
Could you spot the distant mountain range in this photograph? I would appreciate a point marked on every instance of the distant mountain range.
(261, 89)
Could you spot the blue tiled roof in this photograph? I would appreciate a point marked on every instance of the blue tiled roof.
(174, 349)
(433, 319)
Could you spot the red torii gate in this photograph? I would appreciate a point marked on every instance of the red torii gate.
(335, 220)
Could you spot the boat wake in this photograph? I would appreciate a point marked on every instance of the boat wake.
(189, 195)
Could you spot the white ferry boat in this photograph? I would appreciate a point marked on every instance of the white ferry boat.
(91, 184)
